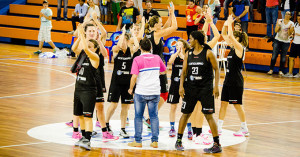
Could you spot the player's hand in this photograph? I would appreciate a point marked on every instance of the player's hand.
(181, 92)
(124, 28)
(130, 91)
(216, 92)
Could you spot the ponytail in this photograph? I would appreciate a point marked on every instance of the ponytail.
(147, 28)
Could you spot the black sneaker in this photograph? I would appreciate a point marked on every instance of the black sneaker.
(216, 148)
(94, 133)
(85, 143)
(78, 142)
(179, 146)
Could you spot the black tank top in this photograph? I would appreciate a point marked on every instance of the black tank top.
(98, 71)
(86, 76)
(122, 67)
(200, 71)
(176, 70)
(157, 49)
(137, 53)
(234, 75)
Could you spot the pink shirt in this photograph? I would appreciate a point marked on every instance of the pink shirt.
(148, 67)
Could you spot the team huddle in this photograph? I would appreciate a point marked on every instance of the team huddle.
(139, 77)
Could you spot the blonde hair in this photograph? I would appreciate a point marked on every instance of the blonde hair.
(153, 20)
(186, 45)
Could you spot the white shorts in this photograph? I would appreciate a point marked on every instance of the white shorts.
(45, 33)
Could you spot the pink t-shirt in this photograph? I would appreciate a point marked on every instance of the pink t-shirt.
(148, 67)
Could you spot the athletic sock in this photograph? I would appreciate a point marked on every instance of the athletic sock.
(83, 132)
(220, 124)
(189, 126)
(172, 125)
(104, 129)
(194, 130)
(216, 139)
(244, 126)
(107, 126)
(75, 129)
(198, 131)
(88, 135)
(179, 137)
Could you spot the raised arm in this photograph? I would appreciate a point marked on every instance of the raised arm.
(135, 41)
(237, 46)
(75, 47)
(168, 31)
(224, 32)
(173, 56)
(216, 38)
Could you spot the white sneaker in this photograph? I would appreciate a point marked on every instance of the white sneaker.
(242, 133)
(219, 131)
(288, 75)
(204, 139)
(297, 75)
(124, 134)
(197, 139)
(194, 137)
(270, 72)
(280, 73)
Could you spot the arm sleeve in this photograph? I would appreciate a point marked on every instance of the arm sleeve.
(134, 67)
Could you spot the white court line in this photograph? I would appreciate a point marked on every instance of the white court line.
(23, 144)
(278, 87)
(296, 121)
(12, 96)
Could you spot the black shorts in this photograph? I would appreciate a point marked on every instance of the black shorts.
(174, 96)
(100, 96)
(295, 50)
(116, 91)
(102, 74)
(163, 83)
(232, 94)
(84, 102)
(193, 95)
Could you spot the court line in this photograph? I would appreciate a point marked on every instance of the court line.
(295, 121)
(272, 92)
(18, 95)
(17, 145)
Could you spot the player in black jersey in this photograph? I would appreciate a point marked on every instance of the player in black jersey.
(85, 87)
(198, 67)
(197, 116)
(182, 46)
(120, 81)
(138, 32)
(157, 32)
(233, 86)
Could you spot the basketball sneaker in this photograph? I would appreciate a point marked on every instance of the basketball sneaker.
(154, 145)
(280, 73)
(179, 146)
(94, 133)
(98, 124)
(219, 131)
(85, 143)
(242, 132)
(76, 135)
(172, 133)
(190, 135)
(270, 72)
(216, 148)
(135, 144)
(79, 141)
(297, 75)
(107, 136)
(288, 75)
(123, 134)
(37, 52)
(70, 124)
(205, 140)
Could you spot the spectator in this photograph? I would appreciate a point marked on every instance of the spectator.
(284, 28)
(149, 12)
(145, 71)
(271, 16)
(138, 4)
(262, 10)
(287, 5)
(93, 8)
(295, 49)
(128, 16)
(251, 10)
(240, 9)
(115, 6)
(78, 15)
(59, 3)
(191, 16)
(45, 28)
(226, 6)
(200, 20)
(103, 8)
(215, 8)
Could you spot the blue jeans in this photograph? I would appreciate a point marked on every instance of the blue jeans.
(271, 16)
(279, 48)
(140, 102)
(59, 2)
(211, 32)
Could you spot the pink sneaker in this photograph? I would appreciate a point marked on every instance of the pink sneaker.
(241, 133)
(220, 131)
(106, 136)
(70, 124)
(98, 124)
(76, 135)
(203, 140)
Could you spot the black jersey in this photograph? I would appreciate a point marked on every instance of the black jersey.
(177, 69)
(157, 49)
(86, 76)
(234, 75)
(137, 53)
(122, 67)
(200, 71)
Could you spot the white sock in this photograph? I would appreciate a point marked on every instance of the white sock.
(244, 126)
(220, 124)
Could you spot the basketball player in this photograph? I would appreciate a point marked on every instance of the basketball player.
(198, 67)
(233, 86)
(182, 46)
(85, 87)
(157, 32)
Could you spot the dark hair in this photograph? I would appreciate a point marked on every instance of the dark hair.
(243, 37)
(96, 45)
(237, 23)
(145, 44)
(148, 1)
(82, 1)
(45, 1)
(200, 37)
(88, 25)
(153, 20)
(127, 36)
(192, 1)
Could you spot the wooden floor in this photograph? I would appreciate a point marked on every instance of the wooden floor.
(37, 91)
